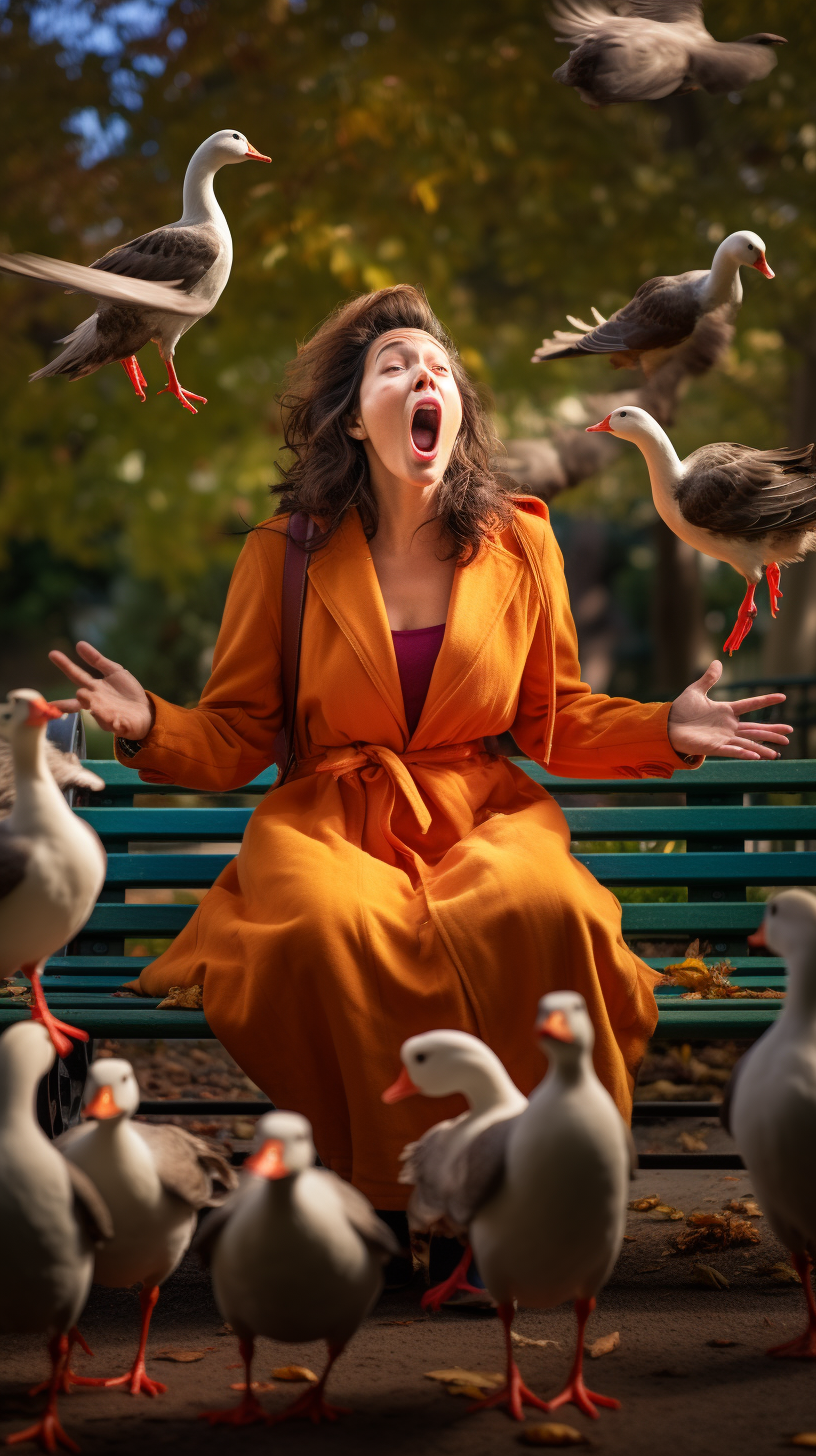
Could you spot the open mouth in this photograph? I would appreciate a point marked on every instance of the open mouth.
(425, 424)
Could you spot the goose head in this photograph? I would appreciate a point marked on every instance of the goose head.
(745, 250)
(439, 1063)
(789, 927)
(225, 147)
(563, 1027)
(630, 423)
(111, 1091)
(287, 1146)
(24, 708)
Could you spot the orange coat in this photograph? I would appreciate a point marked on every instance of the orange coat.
(393, 886)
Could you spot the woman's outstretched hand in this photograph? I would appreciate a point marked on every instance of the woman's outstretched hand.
(117, 701)
(698, 726)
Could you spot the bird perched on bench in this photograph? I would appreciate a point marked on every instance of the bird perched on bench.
(544, 1197)
(439, 1064)
(155, 287)
(664, 311)
(298, 1254)
(52, 865)
(769, 1106)
(641, 50)
(154, 1179)
(51, 1220)
(750, 508)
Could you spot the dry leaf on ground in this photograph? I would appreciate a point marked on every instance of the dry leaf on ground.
(640, 1205)
(710, 1277)
(693, 1142)
(243, 1129)
(804, 1438)
(552, 1433)
(528, 1340)
(604, 1345)
(255, 1385)
(183, 998)
(470, 1392)
(664, 1213)
(714, 1231)
(181, 1357)
(294, 1372)
(782, 1273)
(483, 1379)
(744, 1205)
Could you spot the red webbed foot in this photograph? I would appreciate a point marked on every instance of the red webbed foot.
(249, 1412)
(803, 1347)
(46, 1432)
(137, 1379)
(310, 1406)
(136, 377)
(59, 1031)
(772, 576)
(575, 1393)
(434, 1298)
(67, 1378)
(514, 1395)
(182, 395)
(744, 622)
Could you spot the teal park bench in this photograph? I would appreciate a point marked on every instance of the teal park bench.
(733, 825)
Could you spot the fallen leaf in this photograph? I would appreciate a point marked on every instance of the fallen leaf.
(721, 1344)
(471, 1392)
(243, 1129)
(804, 1438)
(552, 1433)
(692, 1142)
(664, 1213)
(640, 1205)
(181, 1357)
(768, 1322)
(458, 1376)
(604, 1345)
(398, 1322)
(782, 1273)
(714, 1231)
(710, 1276)
(187, 998)
(729, 1178)
(255, 1385)
(527, 1340)
(746, 1206)
(295, 1372)
(670, 1372)
(629, 1239)
(225, 1330)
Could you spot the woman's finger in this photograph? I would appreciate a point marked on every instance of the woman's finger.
(67, 705)
(758, 748)
(76, 674)
(751, 705)
(94, 658)
(730, 750)
(766, 734)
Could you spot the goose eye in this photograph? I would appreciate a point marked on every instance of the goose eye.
(421, 1057)
(623, 414)
(235, 137)
(750, 247)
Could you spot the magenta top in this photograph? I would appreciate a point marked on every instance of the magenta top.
(417, 651)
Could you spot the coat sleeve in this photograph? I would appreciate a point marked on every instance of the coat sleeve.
(230, 737)
(595, 736)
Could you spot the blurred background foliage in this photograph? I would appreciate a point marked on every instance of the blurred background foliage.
(420, 142)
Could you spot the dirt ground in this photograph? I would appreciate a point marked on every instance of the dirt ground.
(681, 1393)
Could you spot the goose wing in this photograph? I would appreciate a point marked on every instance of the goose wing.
(426, 1166)
(374, 1233)
(186, 1165)
(480, 1171)
(732, 65)
(90, 1207)
(661, 314)
(15, 851)
(163, 296)
(179, 255)
(577, 20)
(737, 491)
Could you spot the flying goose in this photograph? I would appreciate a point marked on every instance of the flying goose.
(154, 287)
(664, 311)
(641, 50)
(751, 508)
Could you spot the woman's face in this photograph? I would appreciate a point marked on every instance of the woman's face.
(410, 409)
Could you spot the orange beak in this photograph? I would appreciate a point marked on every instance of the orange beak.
(761, 266)
(259, 157)
(268, 1161)
(40, 712)
(604, 425)
(403, 1087)
(556, 1027)
(758, 938)
(103, 1105)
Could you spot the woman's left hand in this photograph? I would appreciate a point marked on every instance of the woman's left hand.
(697, 726)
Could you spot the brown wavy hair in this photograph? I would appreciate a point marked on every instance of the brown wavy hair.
(329, 472)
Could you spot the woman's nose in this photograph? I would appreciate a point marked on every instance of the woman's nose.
(424, 380)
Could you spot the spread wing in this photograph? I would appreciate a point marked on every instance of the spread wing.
(731, 66)
(166, 297)
(426, 1165)
(180, 255)
(577, 20)
(374, 1233)
(186, 1166)
(211, 1228)
(14, 855)
(89, 1206)
(662, 313)
(745, 493)
(480, 1173)
(69, 772)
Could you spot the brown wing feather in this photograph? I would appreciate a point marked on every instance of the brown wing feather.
(737, 491)
(374, 1233)
(186, 1165)
(14, 855)
(661, 314)
(481, 1173)
(166, 255)
(89, 1206)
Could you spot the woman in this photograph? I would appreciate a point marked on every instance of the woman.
(403, 877)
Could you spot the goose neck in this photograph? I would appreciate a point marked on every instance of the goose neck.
(800, 1000)
(723, 284)
(18, 1091)
(487, 1087)
(199, 202)
(664, 465)
(34, 783)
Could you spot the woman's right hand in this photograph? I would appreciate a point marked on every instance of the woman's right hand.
(116, 700)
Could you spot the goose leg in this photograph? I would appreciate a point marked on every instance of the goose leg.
(67, 1376)
(47, 1431)
(433, 1298)
(575, 1392)
(173, 387)
(137, 1376)
(311, 1404)
(249, 1410)
(744, 622)
(59, 1031)
(135, 375)
(772, 575)
(803, 1347)
(514, 1393)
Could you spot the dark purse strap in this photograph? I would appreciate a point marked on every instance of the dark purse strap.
(295, 572)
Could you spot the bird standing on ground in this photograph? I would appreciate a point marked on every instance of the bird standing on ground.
(664, 311)
(154, 1178)
(750, 508)
(52, 865)
(298, 1254)
(51, 1219)
(194, 253)
(438, 1064)
(641, 50)
(770, 1104)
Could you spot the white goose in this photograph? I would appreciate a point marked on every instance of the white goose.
(545, 1194)
(194, 253)
(296, 1255)
(154, 1179)
(52, 865)
(665, 311)
(750, 508)
(439, 1064)
(51, 1218)
(770, 1104)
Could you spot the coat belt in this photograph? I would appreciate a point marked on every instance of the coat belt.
(342, 763)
